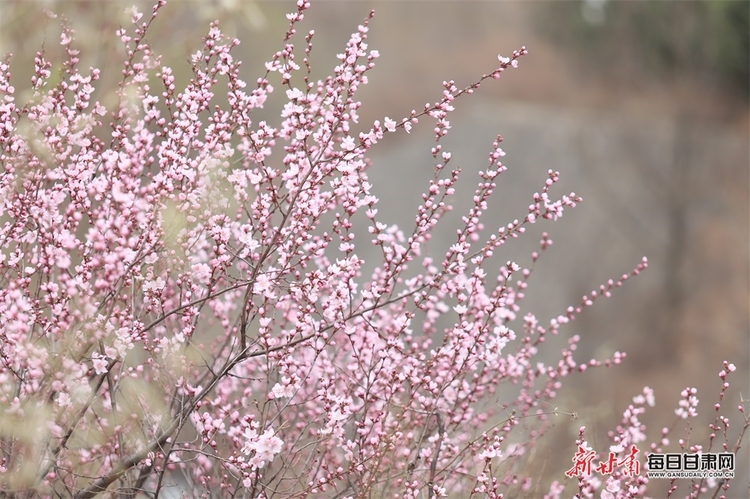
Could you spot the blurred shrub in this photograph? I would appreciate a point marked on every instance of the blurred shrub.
(705, 40)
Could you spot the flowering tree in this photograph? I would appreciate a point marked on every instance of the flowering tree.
(182, 299)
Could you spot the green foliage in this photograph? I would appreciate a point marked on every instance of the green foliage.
(703, 39)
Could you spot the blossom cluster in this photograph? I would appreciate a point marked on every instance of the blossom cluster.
(183, 300)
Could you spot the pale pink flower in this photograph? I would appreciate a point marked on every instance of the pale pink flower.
(261, 449)
(99, 362)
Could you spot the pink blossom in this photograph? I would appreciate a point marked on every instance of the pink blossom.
(169, 259)
(100, 363)
(261, 448)
(390, 125)
(688, 404)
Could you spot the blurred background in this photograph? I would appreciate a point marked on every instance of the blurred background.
(643, 108)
